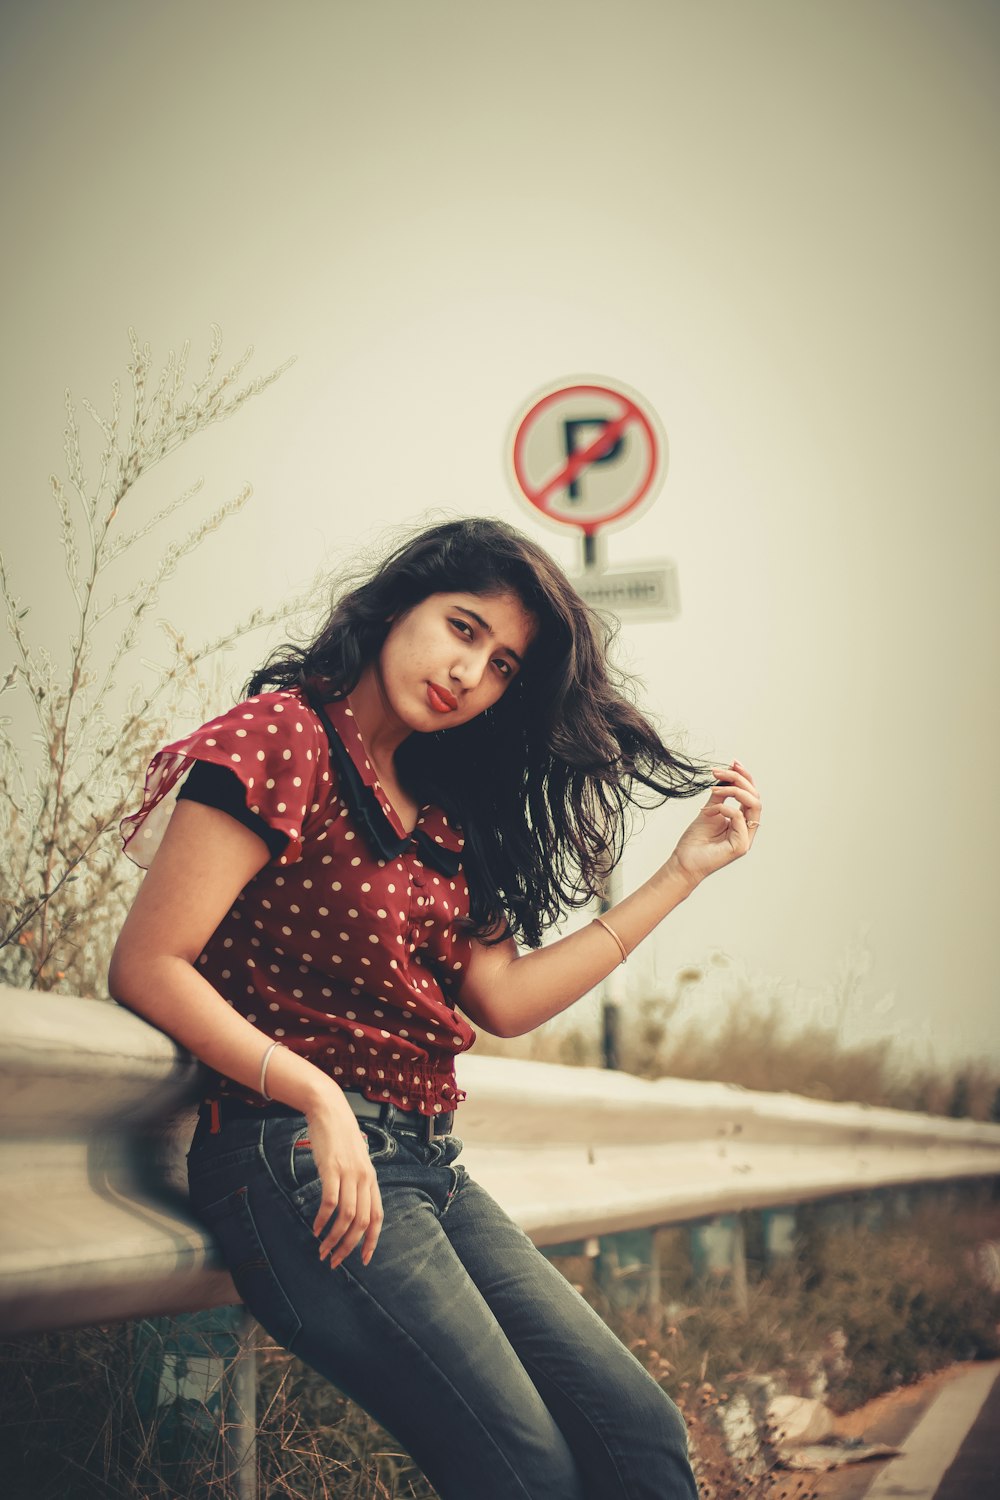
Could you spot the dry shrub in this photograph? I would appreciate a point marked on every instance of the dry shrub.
(64, 887)
(761, 1041)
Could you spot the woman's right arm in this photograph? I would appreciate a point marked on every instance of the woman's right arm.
(204, 861)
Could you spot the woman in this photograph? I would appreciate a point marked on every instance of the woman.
(445, 769)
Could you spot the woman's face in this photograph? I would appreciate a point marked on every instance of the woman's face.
(452, 656)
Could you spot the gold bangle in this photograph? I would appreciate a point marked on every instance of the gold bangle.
(608, 928)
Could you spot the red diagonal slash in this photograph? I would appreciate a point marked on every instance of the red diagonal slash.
(605, 439)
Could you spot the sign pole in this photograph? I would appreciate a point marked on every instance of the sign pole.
(594, 560)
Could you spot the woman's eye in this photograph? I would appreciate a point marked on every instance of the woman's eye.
(505, 668)
(463, 627)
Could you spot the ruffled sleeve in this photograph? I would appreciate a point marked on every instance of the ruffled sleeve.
(275, 745)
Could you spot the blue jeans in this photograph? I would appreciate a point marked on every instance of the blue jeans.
(460, 1337)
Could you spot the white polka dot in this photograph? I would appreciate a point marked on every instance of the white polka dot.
(279, 1031)
(211, 742)
(234, 756)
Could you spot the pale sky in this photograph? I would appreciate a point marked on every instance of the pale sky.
(779, 222)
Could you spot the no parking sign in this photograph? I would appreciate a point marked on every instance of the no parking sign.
(588, 453)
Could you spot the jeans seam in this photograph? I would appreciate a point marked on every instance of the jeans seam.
(470, 1413)
(533, 1368)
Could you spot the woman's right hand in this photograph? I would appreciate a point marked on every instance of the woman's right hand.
(351, 1197)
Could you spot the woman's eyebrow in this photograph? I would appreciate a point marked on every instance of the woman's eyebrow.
(508, 650)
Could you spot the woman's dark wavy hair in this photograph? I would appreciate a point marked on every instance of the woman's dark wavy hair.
(542, 784)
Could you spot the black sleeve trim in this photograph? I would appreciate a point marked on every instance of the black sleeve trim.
(218, 786)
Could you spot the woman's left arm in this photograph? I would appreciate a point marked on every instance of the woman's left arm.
(507, 993)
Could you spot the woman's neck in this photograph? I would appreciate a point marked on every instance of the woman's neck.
(381, 730)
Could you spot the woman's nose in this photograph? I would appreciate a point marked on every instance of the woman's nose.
(468, 669)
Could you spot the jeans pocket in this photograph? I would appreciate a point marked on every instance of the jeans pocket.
(381, 1145)
(231, 1223)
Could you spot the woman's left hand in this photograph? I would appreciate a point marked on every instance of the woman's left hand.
(725, 827)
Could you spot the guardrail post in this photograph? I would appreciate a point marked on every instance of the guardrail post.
(780, 1234)
(196, 1387)
(718, 1250)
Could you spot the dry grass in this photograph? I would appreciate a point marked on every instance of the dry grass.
(761, 1041)
(64, 887)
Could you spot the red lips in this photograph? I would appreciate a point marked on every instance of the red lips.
(440, 699)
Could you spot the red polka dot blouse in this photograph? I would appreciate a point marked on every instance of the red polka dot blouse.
(348, 946)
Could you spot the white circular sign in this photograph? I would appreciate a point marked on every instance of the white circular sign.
(588, 453)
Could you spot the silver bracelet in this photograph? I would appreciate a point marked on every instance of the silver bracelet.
(263, 1070)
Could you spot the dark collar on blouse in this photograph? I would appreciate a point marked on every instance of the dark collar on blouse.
(440, 843)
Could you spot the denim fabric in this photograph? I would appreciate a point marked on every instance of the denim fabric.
(459, 1337)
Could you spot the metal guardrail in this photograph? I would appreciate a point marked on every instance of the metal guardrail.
(96, 1109)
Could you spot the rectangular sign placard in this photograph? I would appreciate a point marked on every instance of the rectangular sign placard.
(647, 593)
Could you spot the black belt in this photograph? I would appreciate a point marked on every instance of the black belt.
(389, 1116)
